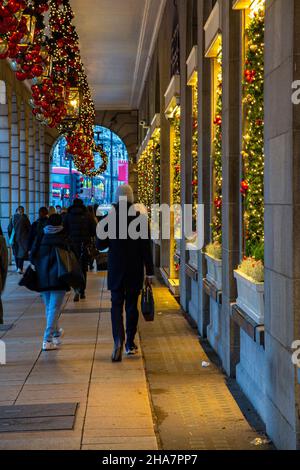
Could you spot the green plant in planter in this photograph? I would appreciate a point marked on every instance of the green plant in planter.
(214, 250)
(259, 252)
(253, 269)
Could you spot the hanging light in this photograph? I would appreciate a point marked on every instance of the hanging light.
(73, 103)
(3, 46)
(28, 37)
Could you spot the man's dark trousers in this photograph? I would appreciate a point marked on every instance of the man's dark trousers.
(130, 298)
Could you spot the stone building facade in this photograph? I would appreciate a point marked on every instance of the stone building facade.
(176, 119)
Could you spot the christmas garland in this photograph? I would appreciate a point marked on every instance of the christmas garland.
(154, 147)
(54, 64)
(149, 174)
(146, 179)
(176, 196)
(195, 156)
(252, 185)
(217, 159)
(176, 165)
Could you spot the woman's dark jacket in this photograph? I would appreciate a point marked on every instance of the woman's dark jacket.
(43, 257)
(37, 230)
(22, 226)
(3, 262)
(128, 259)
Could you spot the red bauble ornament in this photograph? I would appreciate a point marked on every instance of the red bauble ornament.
(21, 76)
(244, 187)
(218, 202)
(218, 120)
(37, 70)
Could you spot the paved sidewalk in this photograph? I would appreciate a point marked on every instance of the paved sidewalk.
(194, 406)
(114, 408)
(162, 399)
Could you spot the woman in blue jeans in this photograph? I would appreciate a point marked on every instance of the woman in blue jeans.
(44, 259)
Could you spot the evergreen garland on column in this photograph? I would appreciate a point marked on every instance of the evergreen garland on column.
(195, 156)
(252, 185)
(176, 183)
(217, 160)
(154, 146)
(146, 179)
(176, 159)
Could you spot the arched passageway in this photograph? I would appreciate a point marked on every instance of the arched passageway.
(67, 183)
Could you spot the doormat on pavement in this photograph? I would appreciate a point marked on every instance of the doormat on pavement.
(81, 310)
(48, 417)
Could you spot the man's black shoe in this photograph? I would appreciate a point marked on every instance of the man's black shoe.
(82, 296)
(76, 297)
(117, 354)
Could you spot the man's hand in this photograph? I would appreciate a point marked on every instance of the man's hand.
(148, 281)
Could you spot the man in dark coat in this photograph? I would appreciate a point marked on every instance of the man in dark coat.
(3, 269)
(128, 259)
(18, 232)
(81, 228)
(37, 228)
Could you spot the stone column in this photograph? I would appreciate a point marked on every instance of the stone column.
(186, 146)
(42, 167)
(231, 180)
(4, 161)
(49, 141)
(282, 221)
(164, 59)
(37, 161)
(15, 154)
(204, 162)
(30, 173)
(23, 158)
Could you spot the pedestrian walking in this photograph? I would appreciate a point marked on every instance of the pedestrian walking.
(51, 210)
(37, 228)
(3, 269)
(93, 252)
(129, 259)
(18, 232)
(44, 260)
(81, 229)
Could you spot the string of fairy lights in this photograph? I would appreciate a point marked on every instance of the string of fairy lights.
(176, 164)
(252, 185)
(146, 179)
(195, 155)
(176, 153)
(49, 55)
(216, 223)
(148, 169)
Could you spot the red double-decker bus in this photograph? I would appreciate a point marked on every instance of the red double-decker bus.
(63, 187)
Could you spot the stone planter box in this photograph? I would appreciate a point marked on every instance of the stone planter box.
(193, 255)
(250, 297)
(214, 271)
